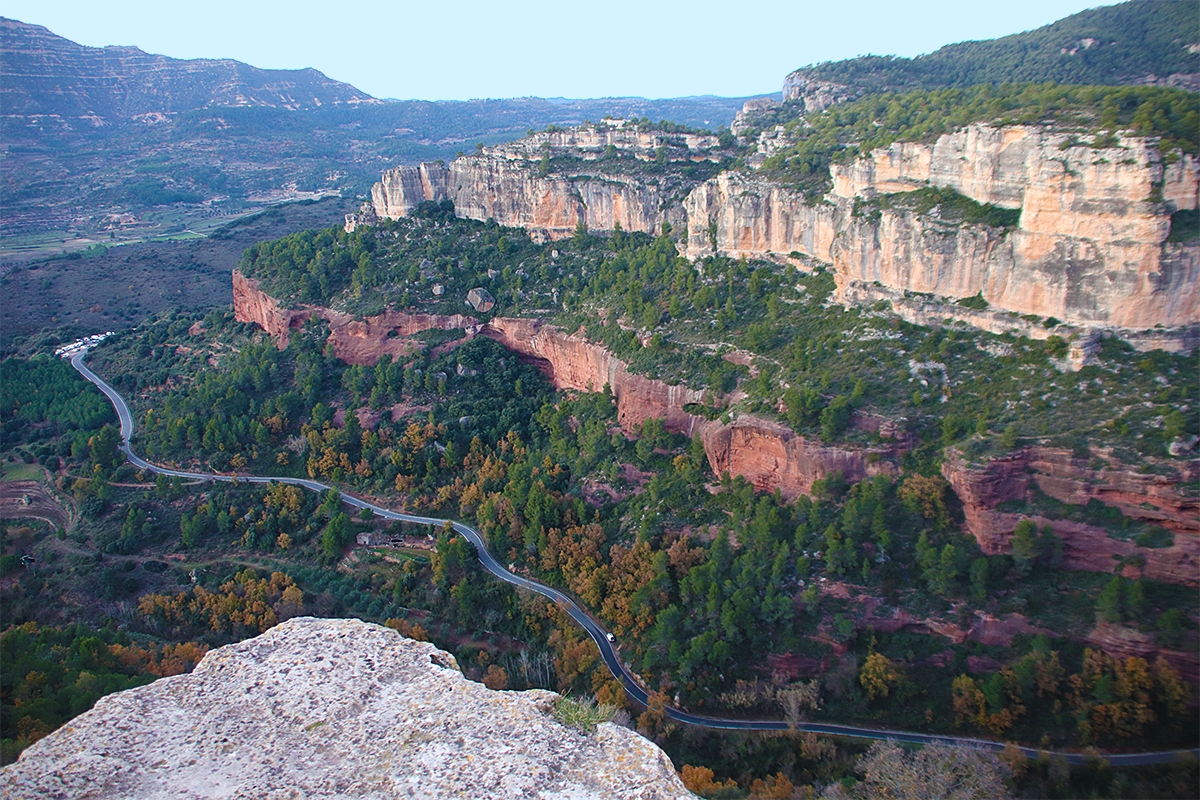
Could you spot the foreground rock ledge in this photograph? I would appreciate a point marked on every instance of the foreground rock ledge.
(333, 708)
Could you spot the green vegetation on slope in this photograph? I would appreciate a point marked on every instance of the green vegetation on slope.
(817, 364)
(1110, 45)
(846, 131)
(53, 674)
(627, 526)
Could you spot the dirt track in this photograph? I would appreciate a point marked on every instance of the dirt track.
(31, 499)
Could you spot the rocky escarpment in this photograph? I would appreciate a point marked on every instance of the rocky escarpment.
(334, 708)
(506, 183)
(768, 455)
(771, 456)
(1090, 247)
(593, 142)
(355, 341)
(514, 194)
(1153, 499)
(816, 95)
(49, 76)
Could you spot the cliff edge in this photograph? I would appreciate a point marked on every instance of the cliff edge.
(333, 708)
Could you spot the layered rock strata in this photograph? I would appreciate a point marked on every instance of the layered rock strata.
(355, 341)
(592, 142)
(512, 193)
(1152, 499)
(1090, 247)
(505, 183)
(332, 709)
(814, 95)
(770, 456)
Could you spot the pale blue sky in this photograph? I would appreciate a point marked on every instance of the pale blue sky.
(470, 49)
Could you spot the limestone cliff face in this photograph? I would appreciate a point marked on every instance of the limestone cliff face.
(1089, 249)
(1154, 499)
(590, 142)
(1090, 245)
(512, 193)
(738, 214)
(816, 95)
(504, 183)
(332, 709)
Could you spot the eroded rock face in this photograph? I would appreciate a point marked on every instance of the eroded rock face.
(1090, 248)
(251, 304)
(504, 183)
(767, 454)
(738, 214)
(816, 95)
(333, 708)
(1090, 245)
(353, 340)
(1155, 499)
(571, 362)
(771, 456)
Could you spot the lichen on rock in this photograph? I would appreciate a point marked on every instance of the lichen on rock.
(333, 708)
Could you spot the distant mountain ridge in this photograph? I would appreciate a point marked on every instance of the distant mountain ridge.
(43, 74)
(1144, 41)
(94, 138)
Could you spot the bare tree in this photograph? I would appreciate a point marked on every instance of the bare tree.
(935, 772)
(798, 699)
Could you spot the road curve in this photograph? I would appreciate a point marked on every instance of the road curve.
(607, 649)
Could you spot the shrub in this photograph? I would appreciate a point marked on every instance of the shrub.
(583, 713)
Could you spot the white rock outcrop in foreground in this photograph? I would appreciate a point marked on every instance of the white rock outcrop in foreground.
(333, 708)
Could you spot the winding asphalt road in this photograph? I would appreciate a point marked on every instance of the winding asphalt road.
(607, 648)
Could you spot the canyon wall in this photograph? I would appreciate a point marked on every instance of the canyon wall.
(506, 183)
(741, 214)
(768, 455)
(592, 142)
(514, 194)
(571, 362)
(326, 708)
(1160, 500)
(1089, 248)
(771, 456)
(814, 95)
(353, 340)
(251, 304)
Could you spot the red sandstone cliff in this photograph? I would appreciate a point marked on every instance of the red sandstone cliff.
(1155, 499)
(354, 341)
(572, 362)
(251, 304)
(767, 454)
(771, 456)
